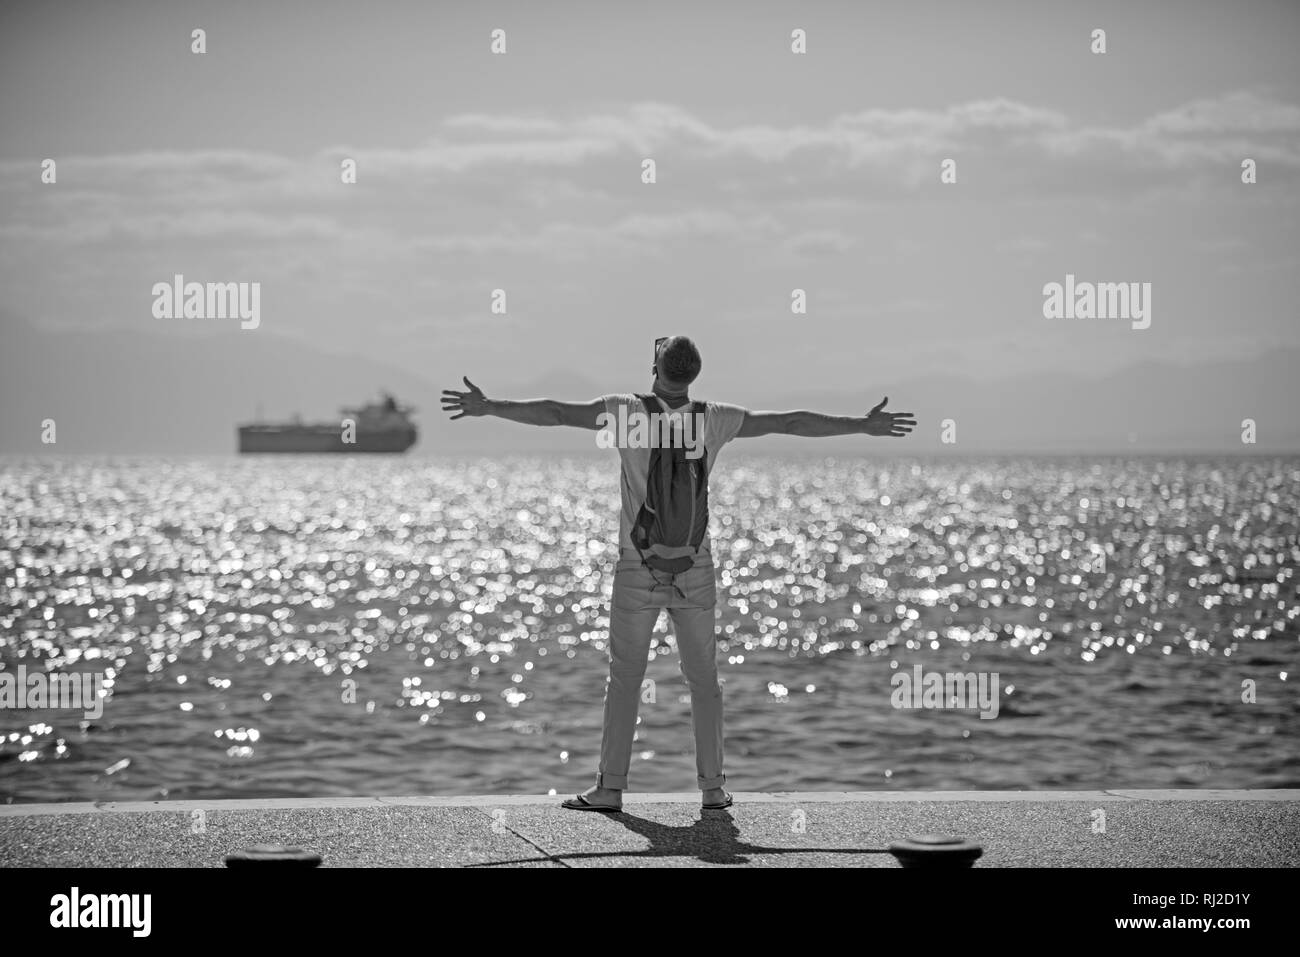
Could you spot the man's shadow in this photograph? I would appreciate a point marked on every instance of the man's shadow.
(713, 838)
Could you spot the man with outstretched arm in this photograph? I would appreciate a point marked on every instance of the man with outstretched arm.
(665, 560)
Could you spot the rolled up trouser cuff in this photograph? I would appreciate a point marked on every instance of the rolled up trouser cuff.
(714, 782)
(606, 780)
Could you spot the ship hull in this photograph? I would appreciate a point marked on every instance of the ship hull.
(255, 439)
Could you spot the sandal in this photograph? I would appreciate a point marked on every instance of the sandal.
(719, 807)
(580, 803)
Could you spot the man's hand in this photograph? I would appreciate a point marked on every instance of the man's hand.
(880, 422)
(819, 424)
(473, 402)
(580, 415)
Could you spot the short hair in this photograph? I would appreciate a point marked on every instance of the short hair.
(679, 360)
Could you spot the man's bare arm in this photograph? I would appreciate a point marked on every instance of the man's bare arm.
(581, 415)
(818, 424)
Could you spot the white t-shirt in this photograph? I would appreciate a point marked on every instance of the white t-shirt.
(721, 423)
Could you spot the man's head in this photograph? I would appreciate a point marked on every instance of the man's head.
(677, 363)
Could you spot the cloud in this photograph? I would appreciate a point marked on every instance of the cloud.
(486, 196)
(1204, 132)
(478, 163)
(820, 242)
(207, 224)
(1241, 112)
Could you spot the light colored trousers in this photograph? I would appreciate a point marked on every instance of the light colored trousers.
(637, 600)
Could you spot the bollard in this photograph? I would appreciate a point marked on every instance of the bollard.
(273, 854)
(932, 850)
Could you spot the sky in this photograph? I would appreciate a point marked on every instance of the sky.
(775, 171)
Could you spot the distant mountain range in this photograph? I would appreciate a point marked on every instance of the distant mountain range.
(118, 391)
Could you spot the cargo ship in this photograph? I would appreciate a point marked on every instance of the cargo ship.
(383, 426)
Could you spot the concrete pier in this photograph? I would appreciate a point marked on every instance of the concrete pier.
(1121, 828)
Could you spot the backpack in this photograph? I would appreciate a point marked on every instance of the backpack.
(674, 519)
